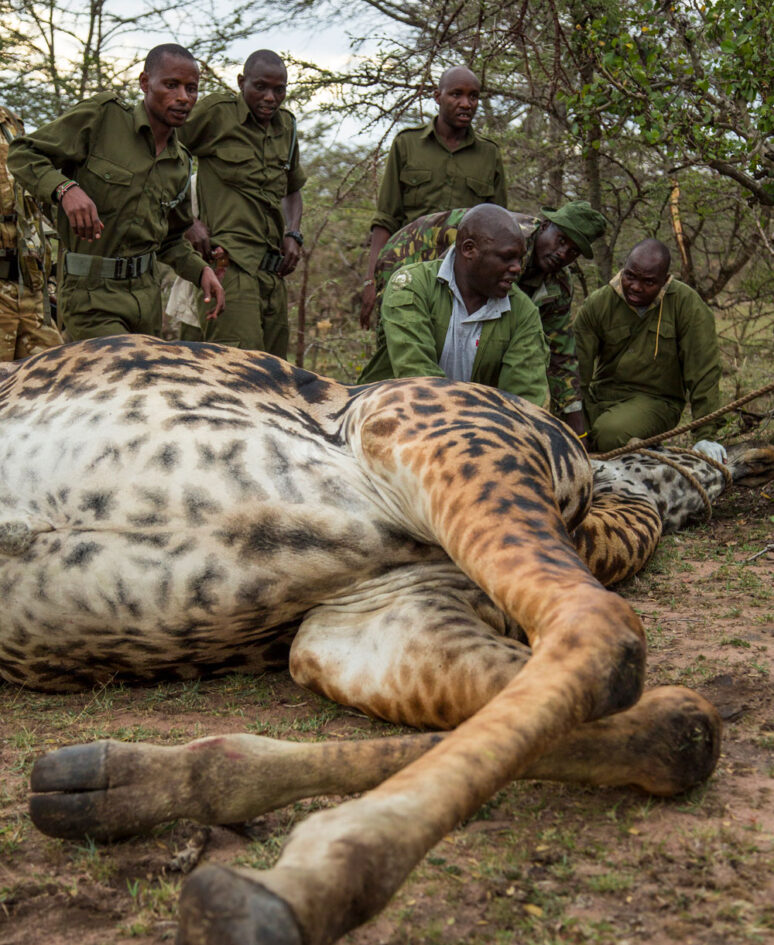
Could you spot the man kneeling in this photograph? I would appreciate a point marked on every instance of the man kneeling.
(463, 317)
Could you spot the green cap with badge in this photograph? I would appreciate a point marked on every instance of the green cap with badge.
(580, 222)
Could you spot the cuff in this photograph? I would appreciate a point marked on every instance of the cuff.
(49, 182)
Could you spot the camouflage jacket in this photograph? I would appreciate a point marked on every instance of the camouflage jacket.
(21, 224)
(430, 236)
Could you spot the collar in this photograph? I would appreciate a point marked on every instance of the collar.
(141, 121)
(615, 285)
(429, 132)
(492, 308)
(244, 114)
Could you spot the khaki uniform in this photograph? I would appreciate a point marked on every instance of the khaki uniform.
(430, 236)
(423, 176)
(511, 353)
(25, 325)
(636, 371)
(244, 171)
(142, 199)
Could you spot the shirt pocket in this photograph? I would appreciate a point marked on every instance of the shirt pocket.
(415, 184)
(235, 165)
(483, 189)
(106, 182)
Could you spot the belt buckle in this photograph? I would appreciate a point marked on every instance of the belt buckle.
(119, 268)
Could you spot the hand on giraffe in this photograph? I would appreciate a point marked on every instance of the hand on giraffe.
(712, 449)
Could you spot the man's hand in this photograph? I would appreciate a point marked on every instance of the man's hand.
(199, 237)
(292, 253)
(211, 286)
(82, 214)
(367, 302)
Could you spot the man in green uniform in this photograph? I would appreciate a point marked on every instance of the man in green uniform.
(121, 181)
(645, 342)
(440, 166)
(462, 316)
(25, 315)
(249, 188)
(553, 242)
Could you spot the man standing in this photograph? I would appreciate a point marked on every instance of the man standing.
(463, 317)
(440, 166)
(249, 188)
(121, 181)
(645, 342)
(25, 317)
(554, 240)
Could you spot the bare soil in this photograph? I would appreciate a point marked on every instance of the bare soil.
(539, 863)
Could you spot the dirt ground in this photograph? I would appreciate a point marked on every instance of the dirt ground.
(539, 863)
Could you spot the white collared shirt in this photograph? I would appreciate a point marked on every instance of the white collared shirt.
(464, 331)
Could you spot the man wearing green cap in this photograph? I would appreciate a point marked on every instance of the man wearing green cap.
(645, 343)
(553, 242)
(462, 317)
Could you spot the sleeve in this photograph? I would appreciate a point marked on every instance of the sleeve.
(389, 204)
(501, 191)
(408, 329)
(523, 370)
(700, 362)
(296, 174)
(36, 160)
(196, 132)
(563, 363)
(586, 344)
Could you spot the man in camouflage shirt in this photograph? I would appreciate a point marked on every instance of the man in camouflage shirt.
(25, 320)
(553, 242)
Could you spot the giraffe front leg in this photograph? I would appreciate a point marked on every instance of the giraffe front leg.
(109, 790)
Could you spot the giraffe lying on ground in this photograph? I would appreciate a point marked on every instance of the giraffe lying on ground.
(423, 550)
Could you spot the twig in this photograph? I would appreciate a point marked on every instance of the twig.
(769, 547)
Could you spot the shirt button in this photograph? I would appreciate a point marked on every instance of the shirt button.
(107, 176)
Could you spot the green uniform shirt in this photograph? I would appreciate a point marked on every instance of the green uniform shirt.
(669, 353)
(430, 236)
(108, 148)
(244, 172)
(511, 354)
(422, 176)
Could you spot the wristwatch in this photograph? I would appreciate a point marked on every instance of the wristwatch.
(294, 234)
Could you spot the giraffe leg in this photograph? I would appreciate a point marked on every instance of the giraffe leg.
(423, 657)
(500, 519)
(666, 743)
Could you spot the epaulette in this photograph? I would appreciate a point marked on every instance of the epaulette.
(404, 131)
(221, 97)
(102, 97)
(488, 140)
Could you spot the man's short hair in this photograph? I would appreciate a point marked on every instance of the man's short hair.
(155, 56)
(265, 56)
(655, 248)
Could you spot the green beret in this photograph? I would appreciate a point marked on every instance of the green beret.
(580, 222)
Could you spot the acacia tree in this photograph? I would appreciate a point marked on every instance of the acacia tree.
(56, 53)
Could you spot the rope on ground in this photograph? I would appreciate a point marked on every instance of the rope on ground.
(686, 427)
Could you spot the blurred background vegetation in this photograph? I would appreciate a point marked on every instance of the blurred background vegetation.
(659, 113)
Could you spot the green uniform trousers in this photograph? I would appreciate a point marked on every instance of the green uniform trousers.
(90, 308)
(613, 423)
(256, 313)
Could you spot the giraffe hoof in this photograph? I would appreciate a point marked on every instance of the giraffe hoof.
(75, 794)
(221, 906)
